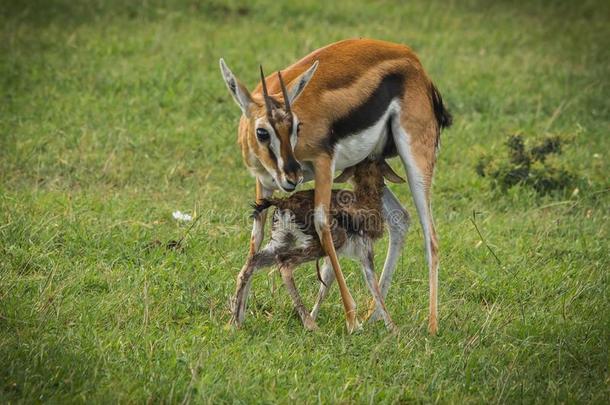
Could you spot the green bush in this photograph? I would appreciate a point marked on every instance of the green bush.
(537, 166)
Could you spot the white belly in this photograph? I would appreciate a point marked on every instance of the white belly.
(369, 142)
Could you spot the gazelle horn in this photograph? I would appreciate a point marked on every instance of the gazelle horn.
(268, 103)
(284, 93)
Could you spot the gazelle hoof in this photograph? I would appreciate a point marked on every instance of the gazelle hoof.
(354, 326)
(432, 328)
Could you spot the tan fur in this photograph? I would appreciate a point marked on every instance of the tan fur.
(337, 90)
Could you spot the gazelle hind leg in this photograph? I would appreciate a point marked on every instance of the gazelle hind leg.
(366, 260)
(418, 155)
(308, 322)
(328, 276)
(398, 221)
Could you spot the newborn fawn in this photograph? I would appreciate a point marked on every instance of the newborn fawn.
(356, 223)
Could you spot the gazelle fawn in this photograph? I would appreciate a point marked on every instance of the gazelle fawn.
(357, 221)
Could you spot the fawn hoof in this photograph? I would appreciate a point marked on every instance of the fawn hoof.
(235, 322)
(230, 327)
(373, 315)
(392, 328)
(310, 324)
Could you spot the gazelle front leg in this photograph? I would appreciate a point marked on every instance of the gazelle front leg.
(258, 227)
(324, 182)
(308, 322)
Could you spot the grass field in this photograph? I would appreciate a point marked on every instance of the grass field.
(114, 115)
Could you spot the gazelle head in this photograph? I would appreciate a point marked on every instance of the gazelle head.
(271, 125)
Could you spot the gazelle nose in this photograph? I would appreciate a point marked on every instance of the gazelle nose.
(292, 166)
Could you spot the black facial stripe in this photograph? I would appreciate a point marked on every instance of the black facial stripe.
(272, 154)
(369, 112)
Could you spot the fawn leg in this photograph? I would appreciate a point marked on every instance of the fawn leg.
(308, 322)
(254, 263)
(242, 289)
(366, 260)
(398, 221)
(328, 276)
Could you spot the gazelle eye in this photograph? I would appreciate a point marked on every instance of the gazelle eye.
(262, 134)
(299, 128)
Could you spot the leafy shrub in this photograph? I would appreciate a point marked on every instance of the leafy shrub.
(537, 166)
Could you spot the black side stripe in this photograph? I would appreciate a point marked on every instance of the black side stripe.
(368, 113)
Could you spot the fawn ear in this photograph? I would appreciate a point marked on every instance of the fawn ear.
(346, 175)
(389, 173)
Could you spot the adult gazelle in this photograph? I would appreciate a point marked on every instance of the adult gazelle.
(330, 110)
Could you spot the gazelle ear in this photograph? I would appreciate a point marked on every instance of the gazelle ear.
(389, 173)
(299, 84)
(345, 175)
(240, 94)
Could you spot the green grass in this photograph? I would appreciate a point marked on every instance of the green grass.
(113, 115)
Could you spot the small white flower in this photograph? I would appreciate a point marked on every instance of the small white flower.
(179, 216)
